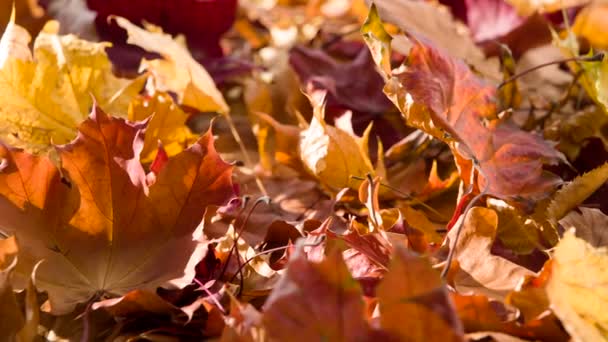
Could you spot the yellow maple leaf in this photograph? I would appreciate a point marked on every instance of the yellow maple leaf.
(166, 126)
(578, 288)
(331, 154)
(177, 71)
(45, 95)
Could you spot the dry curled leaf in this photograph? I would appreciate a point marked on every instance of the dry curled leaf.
(480, 270)
(177, 71)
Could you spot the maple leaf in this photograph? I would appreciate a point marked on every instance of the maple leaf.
(177, 71)
(96, 223)
(412, 289)
(167, 125)
(331, 154)
(577, 288)
(435, 22)
(441, 96)
(203, 22)
(45, 96)
(363, 94)
(323, 297)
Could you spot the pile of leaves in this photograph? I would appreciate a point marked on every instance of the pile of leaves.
(304, 170)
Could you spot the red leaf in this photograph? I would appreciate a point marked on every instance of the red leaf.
(463, 109)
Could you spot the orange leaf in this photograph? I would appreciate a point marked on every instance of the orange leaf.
(414, 302)
(98, 226)
(322, 297)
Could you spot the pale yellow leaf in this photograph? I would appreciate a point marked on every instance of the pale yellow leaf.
(177, 71)
(42, 100)
(578, 288)
(332, 155)
(167, 125)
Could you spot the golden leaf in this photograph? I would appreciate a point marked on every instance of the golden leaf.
(167, 126)
(46, 96)
(331, 154)
(578, 288)
(177, 71)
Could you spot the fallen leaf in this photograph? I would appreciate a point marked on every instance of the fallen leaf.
(28, 14)
(590, 226)
(480, 271)
(322, 296)
(47, 95)
(590, 23)
(99, 228)
(202, 22)
(353, 84)
(527, 7)
(333, 155)
(478, 313)
(575, 192)
(167, 124)
(177, 71)
(244, 323)
(577, 288)
(435, 22)
(414, 302)
(12, 318)
(594, 73)
(441, 96)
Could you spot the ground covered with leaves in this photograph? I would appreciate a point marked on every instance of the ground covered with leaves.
(388, 170)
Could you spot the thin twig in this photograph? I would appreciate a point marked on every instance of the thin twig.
(598, 57)
(248, 161)
(272, 250)
(405, 196)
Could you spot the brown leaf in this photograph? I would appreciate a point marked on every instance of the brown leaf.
(322, 297)
(244, 323)
(414, 302)
(479, 313)
(99, 228)
(12, 317)
(480, 270)
(591, 225)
